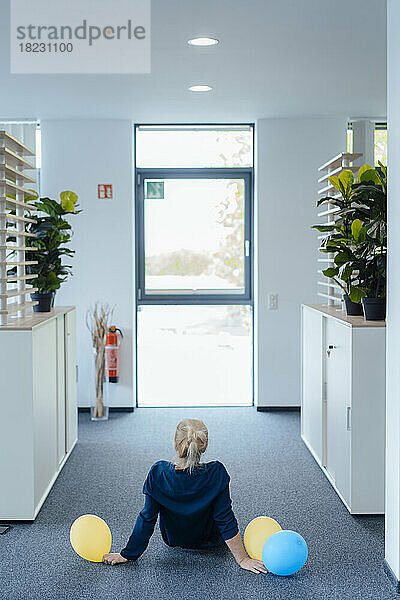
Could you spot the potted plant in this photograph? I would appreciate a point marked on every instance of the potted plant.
(340, 240)
(53, 231)
(358, 240)
(370, 194)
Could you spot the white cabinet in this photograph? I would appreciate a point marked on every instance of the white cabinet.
(312, 418)
(61, 391)
(71, 414)
(343, 403)
(44, 406)
(338, 404)
(38, 408)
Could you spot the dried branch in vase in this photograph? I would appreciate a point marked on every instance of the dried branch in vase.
(98, 320)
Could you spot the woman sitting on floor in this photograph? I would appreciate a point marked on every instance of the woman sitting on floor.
(193, 501)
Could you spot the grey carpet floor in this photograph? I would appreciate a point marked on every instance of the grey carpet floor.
(272, 473)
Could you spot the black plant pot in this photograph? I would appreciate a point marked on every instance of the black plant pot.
(374, 309)
(353, 309)
(45, 301)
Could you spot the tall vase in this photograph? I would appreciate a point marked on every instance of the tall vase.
(99, 407)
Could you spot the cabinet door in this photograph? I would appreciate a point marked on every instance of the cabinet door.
(70, 379)
(312, 410)
(338, 378)
(44, 341)
(61, 421)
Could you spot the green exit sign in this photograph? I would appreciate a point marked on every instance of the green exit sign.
(155, 190)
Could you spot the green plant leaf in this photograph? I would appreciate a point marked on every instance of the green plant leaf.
(358, 230)
(368, 173)
(335, 182)
(342, 188)
(356, 293)
(34, 196)
(334, 201)
(324, 228)
(341, 258)
(331, 272)
(346, 177)
(384, 172)
(363, 169)
(68, 201)
(50, 207)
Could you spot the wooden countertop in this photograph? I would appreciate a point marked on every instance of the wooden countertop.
(35, 319)
(340, 315)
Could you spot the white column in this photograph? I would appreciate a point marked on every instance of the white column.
(392, 521)
(363, 141)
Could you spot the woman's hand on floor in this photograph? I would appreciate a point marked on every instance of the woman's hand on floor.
(235, 545)
(253, 565)
(114, 558)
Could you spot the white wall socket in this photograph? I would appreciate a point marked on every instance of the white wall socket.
(272, 301)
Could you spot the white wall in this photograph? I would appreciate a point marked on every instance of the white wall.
(78, 155)
(289, 151)
(392, 525)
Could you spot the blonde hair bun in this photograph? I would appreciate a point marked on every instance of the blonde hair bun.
(191, 441)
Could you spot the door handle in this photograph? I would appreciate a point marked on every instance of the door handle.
(348, 418)
(329, 349)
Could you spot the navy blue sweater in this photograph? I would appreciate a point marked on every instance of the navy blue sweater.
(195, 508)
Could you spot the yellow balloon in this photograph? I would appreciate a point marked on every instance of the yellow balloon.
(256, 534)
(90, 537)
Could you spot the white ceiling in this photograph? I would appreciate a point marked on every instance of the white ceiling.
(276, 58)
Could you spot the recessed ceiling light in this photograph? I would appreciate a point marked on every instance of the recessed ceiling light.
(200, 88)
(203, 41)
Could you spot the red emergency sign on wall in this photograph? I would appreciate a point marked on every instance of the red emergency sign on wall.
(104, 191)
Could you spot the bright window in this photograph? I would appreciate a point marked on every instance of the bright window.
(380, 144)
(349, 140)
(194, 147)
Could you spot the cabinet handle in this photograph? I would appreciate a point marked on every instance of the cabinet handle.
(348, 418)
(329, 349)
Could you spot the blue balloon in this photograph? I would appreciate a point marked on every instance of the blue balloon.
(285, 552)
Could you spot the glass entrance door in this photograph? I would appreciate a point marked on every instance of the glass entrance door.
(194, 319)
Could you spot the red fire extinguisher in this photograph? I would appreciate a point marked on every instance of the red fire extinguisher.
(113, 342)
